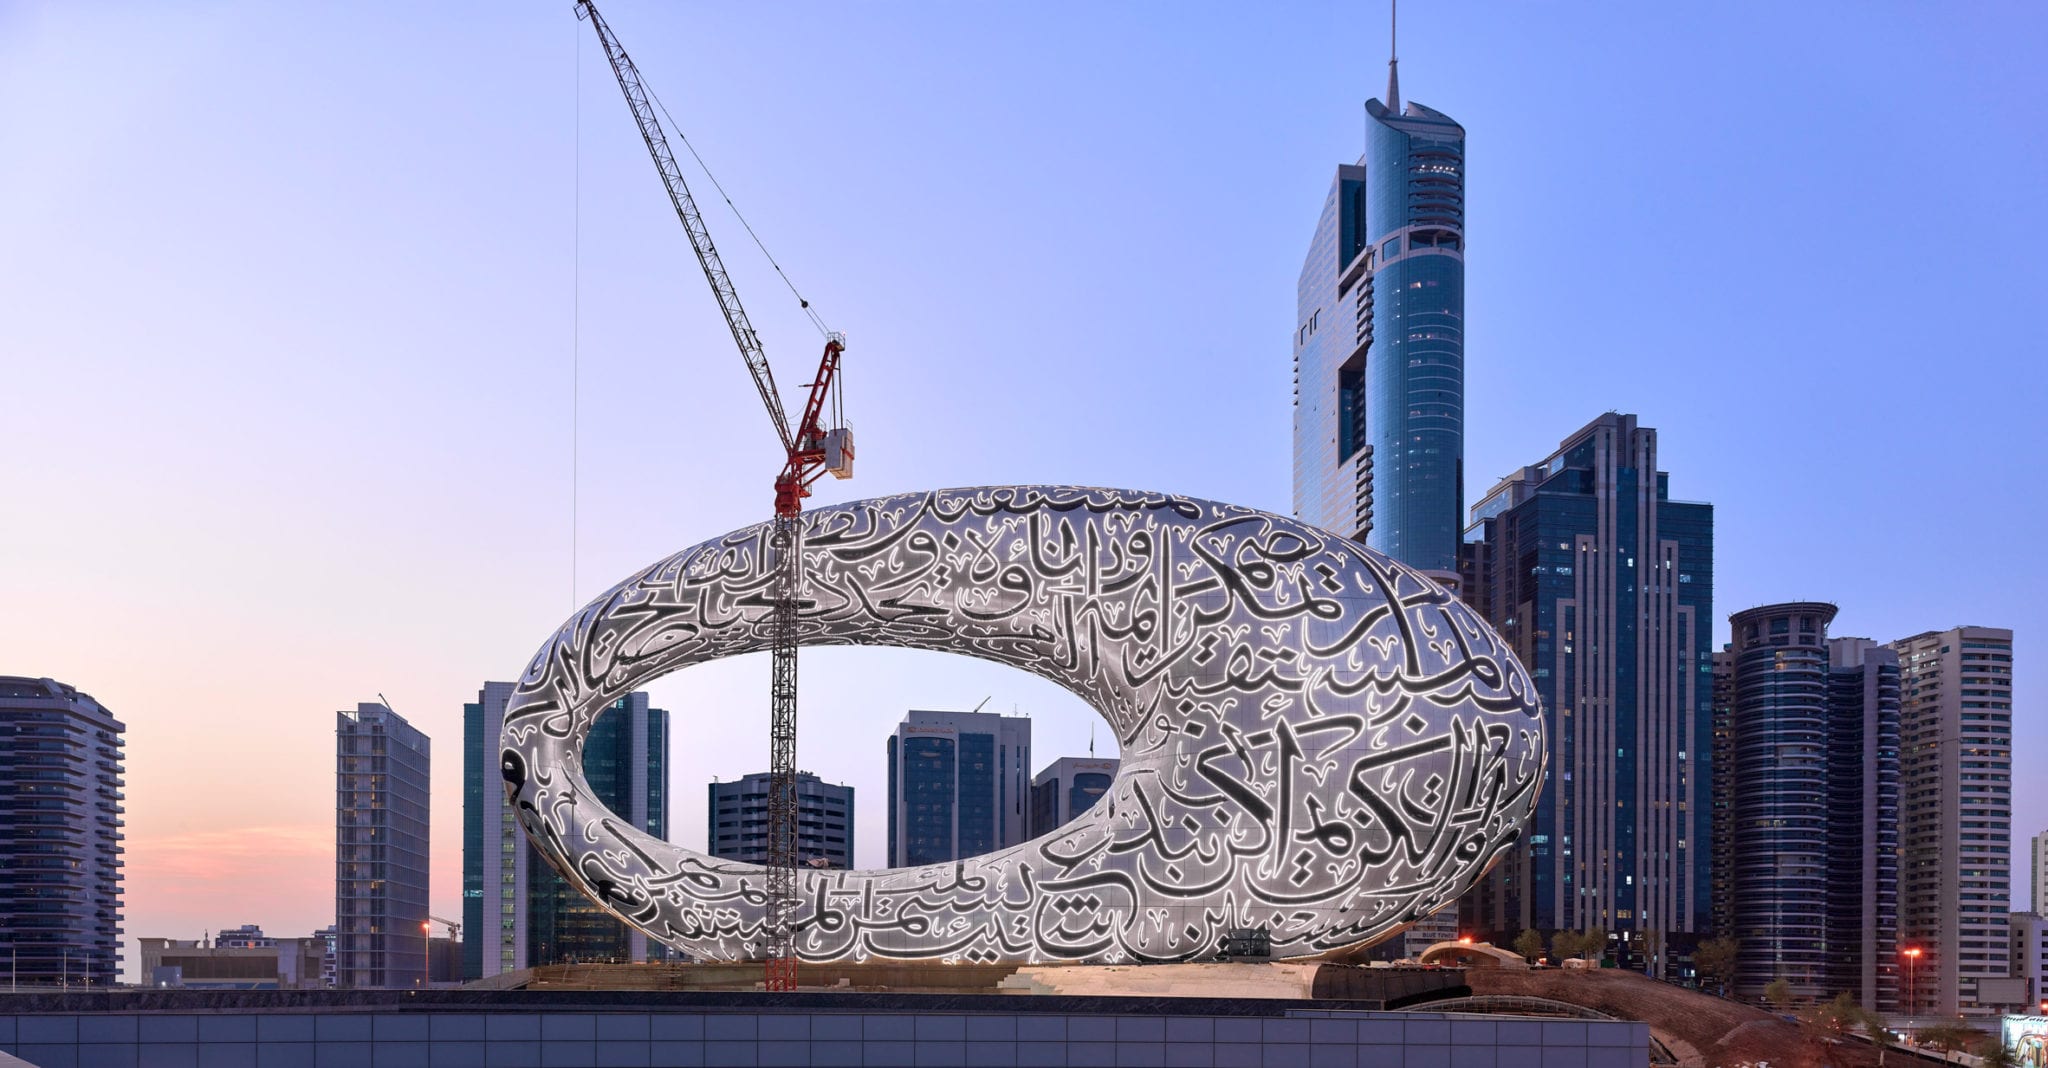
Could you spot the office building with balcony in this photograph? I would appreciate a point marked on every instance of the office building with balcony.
(383, 767)
(737, 818)
(1602, 583)
(517, 912)
(958, 785)
(60, 835)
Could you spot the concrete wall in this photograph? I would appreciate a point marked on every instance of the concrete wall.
(438, 1037)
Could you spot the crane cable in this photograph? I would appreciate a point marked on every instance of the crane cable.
(823, 330)
(576, 333)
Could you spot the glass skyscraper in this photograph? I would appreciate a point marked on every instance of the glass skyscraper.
(1379, 349)
(1603, 584)
(517, 911)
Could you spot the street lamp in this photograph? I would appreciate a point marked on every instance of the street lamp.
(1912, 955)
(426, 952)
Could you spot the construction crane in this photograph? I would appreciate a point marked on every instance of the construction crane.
(809, 451)
(454, 929)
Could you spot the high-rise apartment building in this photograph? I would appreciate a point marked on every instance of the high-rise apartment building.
(1379, 350)
(382, 767)
(737, 821)
(957, 785)
(517, 912)
(1066, 788)
(1603, 585)
(60, 834)
(1956, 772)
(1780, 723)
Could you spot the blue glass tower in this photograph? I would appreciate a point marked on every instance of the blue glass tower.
(1415, 373)
(1379, 349)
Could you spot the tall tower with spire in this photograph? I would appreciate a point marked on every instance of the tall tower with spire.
(1379, 349)
(1393, 55)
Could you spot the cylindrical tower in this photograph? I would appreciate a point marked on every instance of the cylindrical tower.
(1779, 727)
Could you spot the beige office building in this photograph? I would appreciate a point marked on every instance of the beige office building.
(2040, 856)
(1956, 825)
(243, 959)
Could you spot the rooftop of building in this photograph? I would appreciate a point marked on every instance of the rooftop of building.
(24, 688)
(1413, 117)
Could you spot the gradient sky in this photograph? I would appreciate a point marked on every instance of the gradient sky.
(289, 304)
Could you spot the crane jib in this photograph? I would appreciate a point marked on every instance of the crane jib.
(743, 334)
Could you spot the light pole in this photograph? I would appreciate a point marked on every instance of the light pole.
(1912, 955)
(426, 953)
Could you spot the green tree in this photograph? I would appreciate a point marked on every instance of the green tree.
(1715, 959)
(1837, 1017)
(1529, 944)
(1951, 1037)
(1778, 994)
(1994, 1053)
(1595, 944)
(1564, 944)
(1880, 1035)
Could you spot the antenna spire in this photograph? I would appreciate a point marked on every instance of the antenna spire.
(1393, 57)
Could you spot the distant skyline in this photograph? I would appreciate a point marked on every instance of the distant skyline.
(295, 295)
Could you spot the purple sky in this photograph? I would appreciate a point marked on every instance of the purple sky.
(288, 300)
